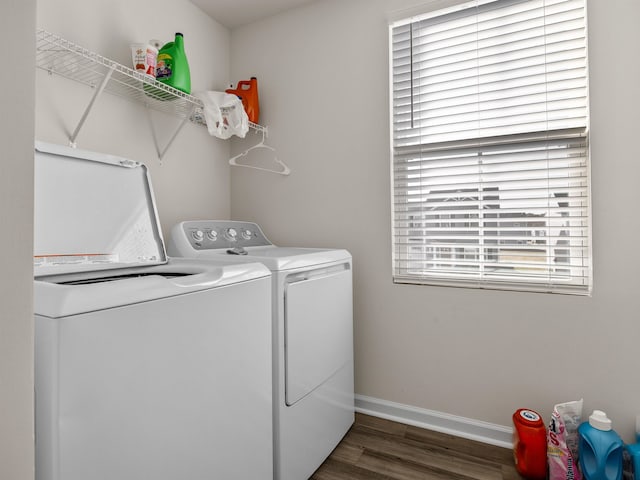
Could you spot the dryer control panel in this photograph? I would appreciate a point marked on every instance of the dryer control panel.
(220, 234)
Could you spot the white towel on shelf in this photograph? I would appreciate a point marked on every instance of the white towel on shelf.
(224, 114)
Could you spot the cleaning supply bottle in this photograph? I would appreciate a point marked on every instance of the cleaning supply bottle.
(172, 67)
(631, 462)
(247, 90)
(632, 456)
(600, 449)
(530, 444)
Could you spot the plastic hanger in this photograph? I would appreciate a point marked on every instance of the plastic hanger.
(285, 169)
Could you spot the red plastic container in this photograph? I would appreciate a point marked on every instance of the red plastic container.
(530, 444)
(247, 90)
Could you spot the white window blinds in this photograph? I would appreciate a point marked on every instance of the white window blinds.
(490, 146)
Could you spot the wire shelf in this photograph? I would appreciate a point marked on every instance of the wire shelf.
(64, 58)
(56, 55)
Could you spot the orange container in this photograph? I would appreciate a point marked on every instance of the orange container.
(530, 444)
(247, 90)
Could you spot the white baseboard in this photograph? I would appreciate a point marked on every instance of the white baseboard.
(471, 429)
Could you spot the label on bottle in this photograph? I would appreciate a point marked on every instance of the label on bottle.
(164, 66)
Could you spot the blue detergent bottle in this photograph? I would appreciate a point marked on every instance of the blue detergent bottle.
(633, 450)
(634, 459)
(600, 449)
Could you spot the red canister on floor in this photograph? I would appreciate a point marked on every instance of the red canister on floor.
(530, 444)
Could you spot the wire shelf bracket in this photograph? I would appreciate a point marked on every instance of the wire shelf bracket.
(97, 93)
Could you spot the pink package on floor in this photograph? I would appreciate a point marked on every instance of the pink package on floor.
(562, 441)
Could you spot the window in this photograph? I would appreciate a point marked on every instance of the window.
(489, 107)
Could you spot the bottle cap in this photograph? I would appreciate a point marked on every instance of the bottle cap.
(529, 415)
(599, 420)
(527, 418)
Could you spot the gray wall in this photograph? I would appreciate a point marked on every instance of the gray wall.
(17, 23)
(323, 79)
(323, 86)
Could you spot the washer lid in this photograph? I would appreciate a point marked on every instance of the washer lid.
(92, 212)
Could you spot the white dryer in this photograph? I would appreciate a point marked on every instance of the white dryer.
(312, 334)
(144, 367)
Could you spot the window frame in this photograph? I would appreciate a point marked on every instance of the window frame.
(519, 282)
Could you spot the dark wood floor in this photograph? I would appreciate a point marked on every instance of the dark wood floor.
(377, 449)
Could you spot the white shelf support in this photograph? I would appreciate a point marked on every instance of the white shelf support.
(96, 94)
(159, 151)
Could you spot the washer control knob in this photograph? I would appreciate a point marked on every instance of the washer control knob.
(246, 234)
(231, 234)
(212, 235)
(197, 235)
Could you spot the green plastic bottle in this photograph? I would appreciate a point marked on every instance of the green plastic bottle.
(172, 67)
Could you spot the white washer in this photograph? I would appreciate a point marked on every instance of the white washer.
(144, 367)
(312, 334)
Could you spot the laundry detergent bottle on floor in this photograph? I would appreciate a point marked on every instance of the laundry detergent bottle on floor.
(172, 67)
(600, 449)
(530, 444)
